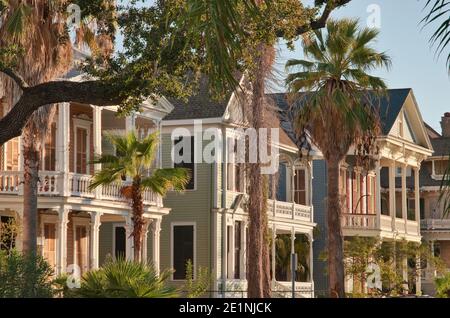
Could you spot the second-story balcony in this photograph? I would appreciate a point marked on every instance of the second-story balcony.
(277, 210)
(60, 184)
(435, 224)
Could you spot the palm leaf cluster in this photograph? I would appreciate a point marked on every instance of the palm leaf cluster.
(135, 159)
(124, 279)
(333, 84)
(439, 12)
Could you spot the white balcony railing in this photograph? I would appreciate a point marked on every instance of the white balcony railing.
(53, 183)
(359, 221)
(435, 224)
(279, 209)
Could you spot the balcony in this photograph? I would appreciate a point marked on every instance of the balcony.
(60, 184)
(276, 209)
(435, 224)
(368, 225)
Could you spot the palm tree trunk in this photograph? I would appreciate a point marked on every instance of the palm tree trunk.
(138, 221)
(335, 238)
(259, 270)
(30, 189)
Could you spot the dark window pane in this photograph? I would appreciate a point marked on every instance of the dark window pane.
(237, 250)
(120, 242)
(183, 249)
(187, 165)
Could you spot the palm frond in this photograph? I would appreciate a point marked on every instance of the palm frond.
(163, 180)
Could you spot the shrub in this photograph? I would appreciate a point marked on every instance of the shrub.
(24, 276)
(123, 279)
(443, 286)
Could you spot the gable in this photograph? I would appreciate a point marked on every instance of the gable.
(409, 125)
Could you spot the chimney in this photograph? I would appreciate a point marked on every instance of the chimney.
(445, 124)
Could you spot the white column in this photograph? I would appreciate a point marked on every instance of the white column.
(274, 251)
(243, 265)
(156, 233)
(417, 197)
(63, 220)
(63, 142)
(130, 122)
(377, 192)
(144, 251)
(95, 239)
(129, 244)
(311, 257)
(392, 193)
(97, 136)
(230, 254)
(404, 198)
(405, 272)
(418, 276)
(363, 194)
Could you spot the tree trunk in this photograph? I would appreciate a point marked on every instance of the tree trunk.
(335, 238)
(138, 221)
(259, 269)
(30, 189)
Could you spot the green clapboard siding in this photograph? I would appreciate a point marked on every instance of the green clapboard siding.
(189, 206)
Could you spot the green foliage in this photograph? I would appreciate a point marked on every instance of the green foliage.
(134, 159)
(123, 279)
(8, 233)
(24, 276)
(443, 286)
(195, 288)
(439, 12)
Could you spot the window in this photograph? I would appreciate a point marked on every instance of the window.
(12, 154)
(422, 208)
(81, 151)
(49, 153)
(183, 249)
(300, 186)
(411, 215)
(187, 165)
(355, 195)
(119, 242)
(398, 172)
(237, 249)
(81, 248)
(440, 167)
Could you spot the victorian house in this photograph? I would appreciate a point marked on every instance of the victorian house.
(78, 229)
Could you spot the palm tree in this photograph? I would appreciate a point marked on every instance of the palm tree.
(132, 168)
(338, 111)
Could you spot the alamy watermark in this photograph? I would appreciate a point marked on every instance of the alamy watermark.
(244, 146)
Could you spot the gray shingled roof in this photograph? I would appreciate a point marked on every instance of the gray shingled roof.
(441, 146)
(200, 105)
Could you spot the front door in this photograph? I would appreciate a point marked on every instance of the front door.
(81, 248)
(119, 242)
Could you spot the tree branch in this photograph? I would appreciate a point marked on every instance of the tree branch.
(96, 93)
(321, 21)
(16, 77)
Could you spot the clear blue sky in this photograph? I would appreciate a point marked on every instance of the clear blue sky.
(414, 62)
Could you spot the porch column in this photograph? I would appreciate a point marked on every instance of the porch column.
(95, 241)
(63, 220)
(404, 198)
(129, 245)
(230, 252)
(392, 193)
(405, 273)
(418, 276)
(274, 251)
(144, 251)
(130, 122)
(377, 192)
(417, 197)
(62, 148)
(311, 258)
(243, 265)
(97, 136)
(156, 232)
